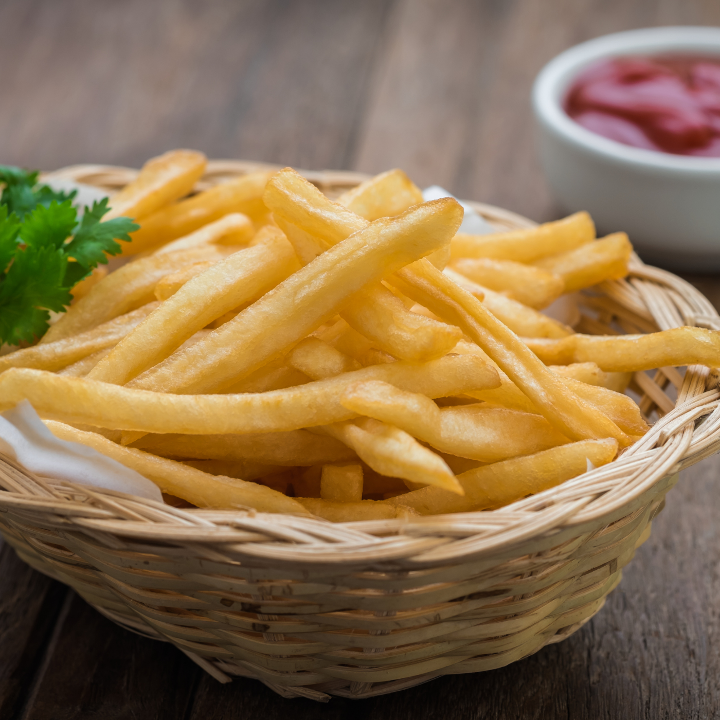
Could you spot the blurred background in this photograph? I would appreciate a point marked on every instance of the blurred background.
(439, 88)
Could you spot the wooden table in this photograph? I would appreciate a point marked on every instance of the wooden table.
(439, 88)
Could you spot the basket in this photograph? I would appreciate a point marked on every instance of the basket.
(315, 609)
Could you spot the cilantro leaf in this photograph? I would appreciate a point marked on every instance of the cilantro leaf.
(22, 194)
(32, 286)
(74, 273)
(44, 251)
(94, 239)
(9, 230)
(49, 226)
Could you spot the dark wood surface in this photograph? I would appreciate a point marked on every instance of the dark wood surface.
(439, 88)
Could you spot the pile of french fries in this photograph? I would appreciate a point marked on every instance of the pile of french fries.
(354, 359)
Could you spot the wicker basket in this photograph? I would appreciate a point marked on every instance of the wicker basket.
(314, 609)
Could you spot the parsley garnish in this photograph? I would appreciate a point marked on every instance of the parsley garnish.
(45, 251)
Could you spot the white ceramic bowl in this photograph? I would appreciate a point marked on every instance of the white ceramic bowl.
(668, 204)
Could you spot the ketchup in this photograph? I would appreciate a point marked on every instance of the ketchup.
(668, 103)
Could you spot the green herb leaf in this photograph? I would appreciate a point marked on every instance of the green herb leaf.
(9, 231)
(32, 286)
(49, 226)
(94, 239)
(22, 194)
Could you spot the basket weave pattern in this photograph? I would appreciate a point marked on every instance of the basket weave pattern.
(315, 609)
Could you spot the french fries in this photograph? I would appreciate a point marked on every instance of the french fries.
(232, 229)
(590, 264)
(349, 512)
(521, 319)
(571, 416)
(296, 447)
(393, 452)
(527, 245)
(632, 353)
(185, 482)
(271, 349)
(122, 291)
(527, 284)
(161, 181)
(341, 483)
(241, 195)
(498, 484)
(303, 302)
(78, 400)
(384, 195)
(478, 432)
(374, 312)
(61, 353)
(241, 278)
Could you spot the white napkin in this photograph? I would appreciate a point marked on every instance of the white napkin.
(472, 224)
(25, 438)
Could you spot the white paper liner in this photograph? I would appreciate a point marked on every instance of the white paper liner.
(25, 438)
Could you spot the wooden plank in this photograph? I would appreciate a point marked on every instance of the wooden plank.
(29, 605)
(98, 670)
(277, 81)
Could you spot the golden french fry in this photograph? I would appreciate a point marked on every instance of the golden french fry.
(79, 400)
(240, 195)
(168, 285)
(307, 247)
(374, 312)
(300, 304)
(86, 284)
(357, 346)
(352, 511)
(174, 478)
(393, 452)
(242, 277)
(126, 289)
(492, 486)
(242, 469)
(232, 229)
(384, 195)
(61, 353)
(605, 259)
(82, 367)
(297, 447)
(292, 198)
(341, 483)
(477, 432)
(382, 318)
(162, 180)
(318, 360)
(274, 376)
(521, 319)
(422, 282)
(621, 409)
(528, 284)
(527, 245)
(590, 373)
(632, 353)
(574, 418)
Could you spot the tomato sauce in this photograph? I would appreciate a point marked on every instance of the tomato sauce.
(667, 103)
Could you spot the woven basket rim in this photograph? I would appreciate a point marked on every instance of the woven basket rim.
(683, 436)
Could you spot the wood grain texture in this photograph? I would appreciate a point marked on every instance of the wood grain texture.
(98, 670)
(440, 89)
(30, 604)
